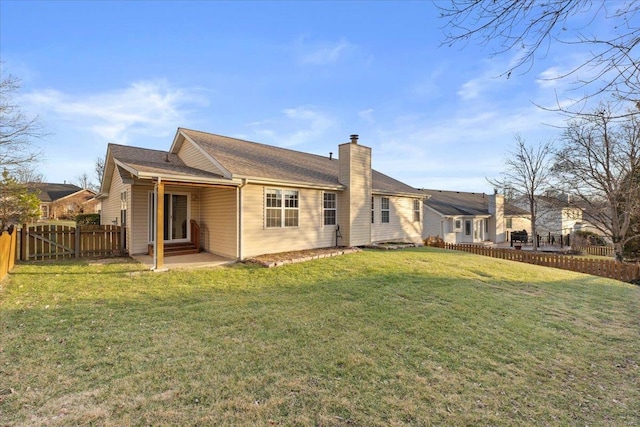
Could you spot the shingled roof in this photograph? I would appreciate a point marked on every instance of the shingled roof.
(453, 203)
(246, 159)
(50, 191)
(155, 162)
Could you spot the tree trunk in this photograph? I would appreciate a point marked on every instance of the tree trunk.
(534, 229)
(618, 249)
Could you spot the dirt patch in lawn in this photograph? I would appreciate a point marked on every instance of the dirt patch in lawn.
(282, 258)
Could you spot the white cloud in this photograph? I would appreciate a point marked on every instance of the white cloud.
(471, 89)
(297, 126)
(311, 124)
(549, 78)
(149, 108)
(367, 115)
(321, 53)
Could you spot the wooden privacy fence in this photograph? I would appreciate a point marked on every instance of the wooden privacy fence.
(8, 240)
(611, 269)
(46, 242)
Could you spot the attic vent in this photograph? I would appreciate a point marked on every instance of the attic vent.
(330, 155)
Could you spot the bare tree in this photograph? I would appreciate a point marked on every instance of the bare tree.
(529, 27)
(83, 181)
(25, 174)
(599, 163)
(17, 130)
(527, 174)
(99, 170)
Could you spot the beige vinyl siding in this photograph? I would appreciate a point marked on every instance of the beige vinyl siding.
(140, 208)
(309, 234)
(355, 173)
(194, 158)
(434, 224)
(140, 224)
(218, 221)
(518, 223)
(401, 226)
(110, 213)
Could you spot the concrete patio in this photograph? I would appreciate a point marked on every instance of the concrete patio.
(185, 262)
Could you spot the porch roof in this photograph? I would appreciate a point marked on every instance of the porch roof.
(458, 203)
(147, 164)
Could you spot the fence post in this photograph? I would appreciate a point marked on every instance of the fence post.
(77, 241)
(24, 255)
(122, 239)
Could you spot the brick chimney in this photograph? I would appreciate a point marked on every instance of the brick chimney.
(354, 203)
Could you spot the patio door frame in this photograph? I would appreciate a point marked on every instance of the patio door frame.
(168, 216)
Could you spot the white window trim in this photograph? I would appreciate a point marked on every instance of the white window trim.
(373, 210)
(151, 232)
(417, 202)
(283, 208)
(335, 209)
(383, 210)
(457, 227)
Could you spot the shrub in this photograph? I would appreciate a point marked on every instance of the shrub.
(88, 219)
(584, 238)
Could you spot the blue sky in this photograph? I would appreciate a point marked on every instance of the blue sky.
(301, 75)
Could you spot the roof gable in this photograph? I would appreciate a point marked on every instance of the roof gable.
(239, 159)
(50, 192)
(145, 162)
(246, 159)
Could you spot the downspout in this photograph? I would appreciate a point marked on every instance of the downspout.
(239, 235)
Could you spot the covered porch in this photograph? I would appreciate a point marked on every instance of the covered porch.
(187, 262)
(186, 217)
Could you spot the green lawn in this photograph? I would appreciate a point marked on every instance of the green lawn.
(377, 338)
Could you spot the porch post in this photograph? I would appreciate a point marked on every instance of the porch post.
(159, 240)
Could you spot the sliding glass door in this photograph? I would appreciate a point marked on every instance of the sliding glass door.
(176, 217)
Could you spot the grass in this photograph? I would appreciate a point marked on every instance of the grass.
(409, 337)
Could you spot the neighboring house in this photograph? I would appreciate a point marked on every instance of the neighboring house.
(464, 217)
(62, 201)
(249, 199)
(562, 215)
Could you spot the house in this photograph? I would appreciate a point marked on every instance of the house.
(239, 199)
(63, 201)
(560, 214)
(465, 217)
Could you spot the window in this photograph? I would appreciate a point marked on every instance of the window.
(123, 208)
(277, 213)
(373, 212)
(329, 206)
(384, 210)
(457, 225)
(467, 227)
(509, 222)
(416, 210)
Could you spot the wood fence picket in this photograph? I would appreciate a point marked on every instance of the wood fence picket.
(57, 242)
(626, 272)
(8, 241)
